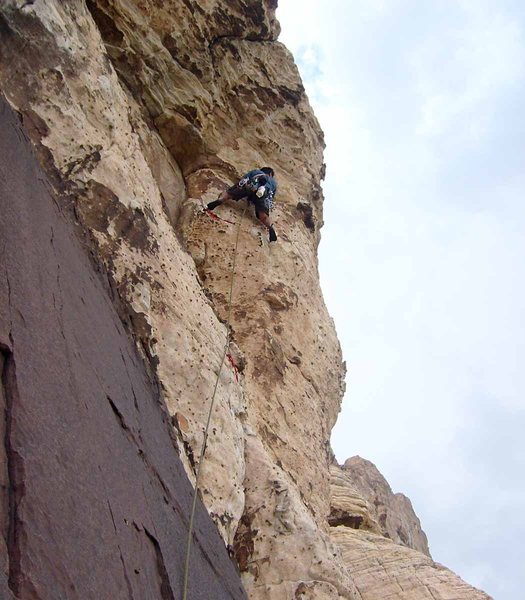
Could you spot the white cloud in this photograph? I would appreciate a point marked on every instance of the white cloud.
(459, 72)
(422, 255)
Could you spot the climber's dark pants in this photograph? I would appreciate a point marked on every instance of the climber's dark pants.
(262, 209)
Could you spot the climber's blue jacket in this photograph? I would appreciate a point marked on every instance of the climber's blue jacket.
(256, 178)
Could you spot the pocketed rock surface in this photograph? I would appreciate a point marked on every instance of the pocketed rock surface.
(141, 112)
(94, 500)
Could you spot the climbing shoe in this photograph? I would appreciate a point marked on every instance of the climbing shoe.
(214, 204)
(273, 235)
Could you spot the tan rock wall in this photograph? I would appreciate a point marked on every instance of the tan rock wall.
(348, 506)
(382, 542)
(135, 105)
(55, 71)
(393, 512)
(382, 569)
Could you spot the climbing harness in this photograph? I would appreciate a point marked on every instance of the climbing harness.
(212, 402)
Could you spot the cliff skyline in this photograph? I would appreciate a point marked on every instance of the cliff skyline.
(121, 121)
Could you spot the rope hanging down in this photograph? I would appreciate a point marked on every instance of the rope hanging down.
(206, 429)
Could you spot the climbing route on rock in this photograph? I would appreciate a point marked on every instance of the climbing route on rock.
(210, 412)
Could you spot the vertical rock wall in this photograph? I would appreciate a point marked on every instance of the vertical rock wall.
(94, 500)
(140, 111)
(103, 158)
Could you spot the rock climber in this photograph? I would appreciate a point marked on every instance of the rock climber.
(260, 187)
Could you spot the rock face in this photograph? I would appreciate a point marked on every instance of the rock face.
(94, 498)
(383, 569)
(389, 514)
(140, 111)
(382, 541)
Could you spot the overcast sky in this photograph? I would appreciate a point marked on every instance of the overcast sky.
(422, 103)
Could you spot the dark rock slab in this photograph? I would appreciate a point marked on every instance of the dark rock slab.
(93, 497)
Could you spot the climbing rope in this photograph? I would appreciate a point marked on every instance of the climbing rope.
(206, 429)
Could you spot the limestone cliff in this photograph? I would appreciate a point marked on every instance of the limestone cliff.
(141, 111)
